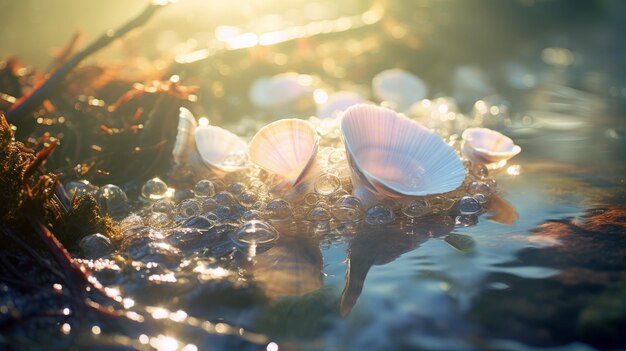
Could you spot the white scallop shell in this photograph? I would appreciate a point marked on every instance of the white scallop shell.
(399, 87)
(483, 145)
(217, 146)
(281, 89)
(391, 155)
(339, 102)
(185, 143)
(287, 148)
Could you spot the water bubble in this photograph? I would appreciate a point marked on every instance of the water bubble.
(235, 159)
(312, 198)
(258, 187)
(479, 171)
(154, 189)
(198, 222)
(318, 214)
(480, 198)
(80, 187)
(379, 215)
(250, 215)
(465, 220)
(468, 206)
(254, 232)
(113, 201)
(225, 198)
(347, 208)
(225, 213)
(159, 220)
(247, 199)
(416, 208)
(478, 187)
(163, 206)
(189, 208)
(259, 206)
(338, 195)
(204, 188)
(327, 184)
(209, 204)
(338, 156)
(95, 246)
(236, 188)
(130, 222)
(278, 209)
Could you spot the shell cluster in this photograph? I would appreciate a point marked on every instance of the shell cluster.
(359, 163)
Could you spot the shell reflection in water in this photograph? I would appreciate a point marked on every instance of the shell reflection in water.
(393, 156)
(223, 151)
(483, 145)
(287, 148)
(291, 267)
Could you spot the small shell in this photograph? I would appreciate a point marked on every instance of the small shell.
(221, 150)
(281, 89)
(185, 143)
(399, 87)
(287, 148)
(339, 102)
(394, 156)
(483, 145)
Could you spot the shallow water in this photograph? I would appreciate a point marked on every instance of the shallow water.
(544, 267)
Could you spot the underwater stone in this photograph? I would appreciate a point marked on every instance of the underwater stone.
(204, 188)
(189, 208)
(478, 187)
(154, 189)
(379, 215)
(278, 209)
(113, 201)
(468, 206)
(251, 215)
(416, 208)
(327, 184)
(254, 233)
(95, 246)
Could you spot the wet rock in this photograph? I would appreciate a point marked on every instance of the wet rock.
(96, 246)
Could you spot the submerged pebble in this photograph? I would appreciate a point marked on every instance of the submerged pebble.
(80, 187)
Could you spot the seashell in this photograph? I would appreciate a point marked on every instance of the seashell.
(220, 149)
(287, 148)
(185, 144)
(339, 102)
(391, 155)
(399, 87)
(281, 89)
(483, 145)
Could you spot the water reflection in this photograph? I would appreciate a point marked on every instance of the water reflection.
(291, 267)
(380, 245)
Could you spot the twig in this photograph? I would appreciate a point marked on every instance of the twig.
(29, 102)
